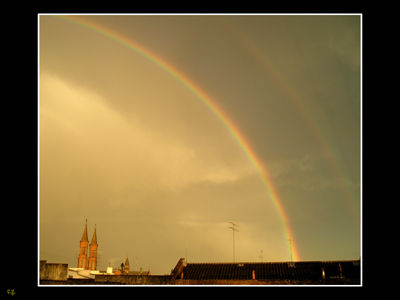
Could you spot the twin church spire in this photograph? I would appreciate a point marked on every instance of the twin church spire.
(83, 260)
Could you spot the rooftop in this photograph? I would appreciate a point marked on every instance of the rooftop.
(311, 270)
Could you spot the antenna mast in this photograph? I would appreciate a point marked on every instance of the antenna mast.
(233, 227)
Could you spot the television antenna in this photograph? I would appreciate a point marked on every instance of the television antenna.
(233, 227)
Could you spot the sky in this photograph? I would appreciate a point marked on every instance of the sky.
(136, 119)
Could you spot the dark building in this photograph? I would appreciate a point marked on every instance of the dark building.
(307, 272)
(53, 271)
(346, 272)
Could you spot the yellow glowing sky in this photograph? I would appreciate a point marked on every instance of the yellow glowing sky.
(127, 146)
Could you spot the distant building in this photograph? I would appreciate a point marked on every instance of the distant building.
(126, 266)
(125, 270)
(117, 272)
(93, 252)
(141, 272)
(83, 261)
(80, 273)
(83, 250)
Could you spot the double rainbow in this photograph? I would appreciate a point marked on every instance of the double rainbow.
(211, 105)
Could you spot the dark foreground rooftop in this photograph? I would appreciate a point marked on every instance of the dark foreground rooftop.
(346, 272)
(311, 271)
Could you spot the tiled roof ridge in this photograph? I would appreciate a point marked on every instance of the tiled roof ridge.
(271, 262)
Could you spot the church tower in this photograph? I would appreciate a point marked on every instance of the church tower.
(83, 251)
(93, 252)
(126, 266)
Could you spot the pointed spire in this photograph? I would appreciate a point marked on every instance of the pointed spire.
(94, 238)
(84, 235)
(126, 267)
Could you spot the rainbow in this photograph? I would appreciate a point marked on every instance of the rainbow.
(315, 130)
(211, 105)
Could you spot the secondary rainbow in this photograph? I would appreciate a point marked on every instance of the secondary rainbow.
(212, 106)
(315, 130)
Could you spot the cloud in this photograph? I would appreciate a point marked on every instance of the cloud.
(99, 163)
(92, 135)
(346, 46)
(307, 173)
